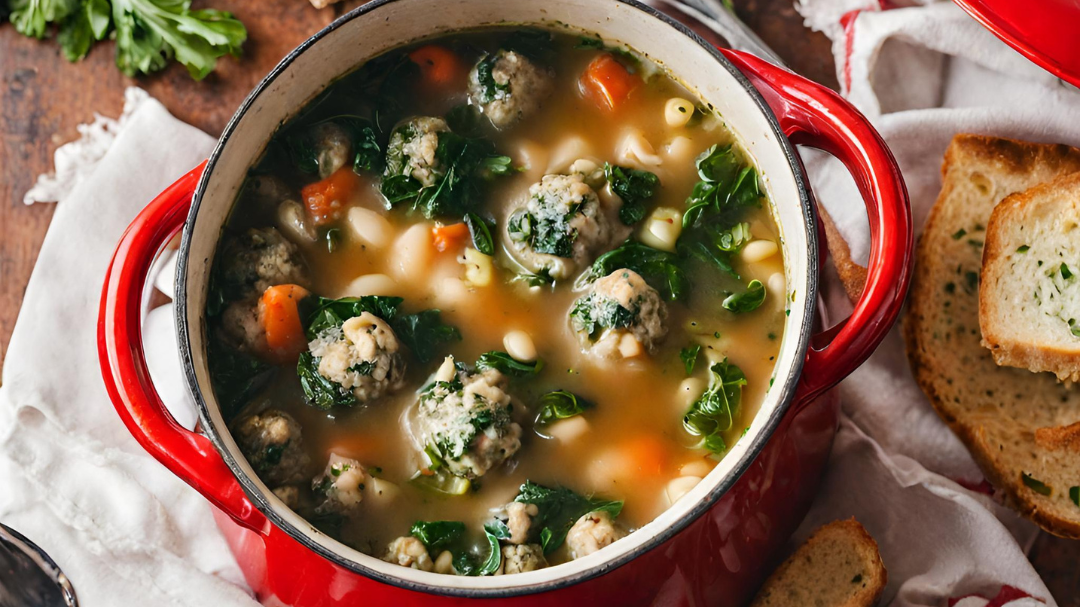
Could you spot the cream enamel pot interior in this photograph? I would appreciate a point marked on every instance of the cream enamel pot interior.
(790, 435)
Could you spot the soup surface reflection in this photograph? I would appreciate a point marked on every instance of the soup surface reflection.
(494, 301)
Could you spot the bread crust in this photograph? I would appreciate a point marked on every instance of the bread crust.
(872, 582)
(1064, 363)
(852, 275)
(976, 418)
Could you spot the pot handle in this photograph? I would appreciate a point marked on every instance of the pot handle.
(813, 115)
(189, 455)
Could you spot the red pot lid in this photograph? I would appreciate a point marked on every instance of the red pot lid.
(1045, 31)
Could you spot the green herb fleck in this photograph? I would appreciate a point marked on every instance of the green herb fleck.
(689, 356)
(1035, 484)
(959, 234)
(1022, 248)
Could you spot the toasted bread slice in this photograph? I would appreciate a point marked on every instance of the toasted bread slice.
(839, 566)
(1029, 296)
(852, 275)
(999, 412)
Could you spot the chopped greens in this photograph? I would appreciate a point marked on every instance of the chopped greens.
(424, 333)
(560, 404)
(662, 270)
(1066, 273)
(148, 33)
(465, 164)
(507, 365)
(437, 535)
(714, 412)
(1035, 484)
(634, 187)
(594, 313)
(319, 391)
(689, 356)
(558, 509)
(1023, 248)
(236, 377)
(490, 90)
(747, 301)
(480, 231)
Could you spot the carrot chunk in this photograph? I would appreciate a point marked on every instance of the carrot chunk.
(325, 200)
(647, 454)
(449, 237)
(607, 83)
(439, 66)
(281, 320)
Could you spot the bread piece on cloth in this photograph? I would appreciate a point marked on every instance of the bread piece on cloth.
(1021, 427)
(839, 566)
(852, 275)
(1029, 296)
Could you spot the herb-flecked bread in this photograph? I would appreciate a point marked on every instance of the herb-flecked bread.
(1029, 299)
(839, 566)
(1022, 428)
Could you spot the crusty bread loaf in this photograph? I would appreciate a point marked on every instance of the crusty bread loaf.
(1021, 427)
(1029, 296)
(839, 566)
(852, 275)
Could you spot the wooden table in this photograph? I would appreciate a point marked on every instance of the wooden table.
(43, 98)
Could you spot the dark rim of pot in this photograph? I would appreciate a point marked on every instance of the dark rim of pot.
(788, 386)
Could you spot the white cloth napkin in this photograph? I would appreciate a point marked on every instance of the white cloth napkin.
(124, 529)
(921, 74)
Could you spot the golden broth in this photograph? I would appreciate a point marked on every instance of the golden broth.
(634, 443)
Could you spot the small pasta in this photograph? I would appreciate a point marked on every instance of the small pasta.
(634, 150)
(478, 268)
(680, 151)
(678, 111)
(661, 230)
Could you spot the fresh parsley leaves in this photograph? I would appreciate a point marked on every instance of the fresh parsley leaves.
(714, 412)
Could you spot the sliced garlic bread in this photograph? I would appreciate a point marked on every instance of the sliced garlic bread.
(1016, 423)
(1029, 298)
(839, 566)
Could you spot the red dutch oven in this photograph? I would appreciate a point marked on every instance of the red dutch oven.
(711, 547)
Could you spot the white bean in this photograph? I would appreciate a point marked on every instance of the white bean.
(371, 229)
(412, 253)
(776, 285)
(568, 430)
(294, 223)
(451, 293)
(680, 150)
(662, 229)
(698, 467)
(629, 346)
(372, 284)
(633, 149)
(590, 170)
(690, 390)
(520, 346)
(445, 563)
(478, 267)
(679, 487)
(759, 250)
(381, 492)
(678, 111)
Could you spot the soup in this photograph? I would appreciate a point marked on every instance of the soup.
(495, 300)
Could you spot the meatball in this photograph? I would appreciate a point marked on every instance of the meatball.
(506, 86)
(519, 520)
(333, 148)
(271, 443)
(519, 559)
(342, 485)
(363, 356)
(251, 263)
(408, 551)
(464, 417)
(559, 228)
(591, 533)
(621, 315)
(412, 148)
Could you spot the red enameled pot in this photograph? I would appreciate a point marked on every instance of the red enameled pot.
(712, 547)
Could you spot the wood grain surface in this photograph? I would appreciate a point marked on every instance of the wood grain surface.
(43, 98)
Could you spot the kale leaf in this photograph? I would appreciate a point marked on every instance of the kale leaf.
(746, 301)
(480, 230)
(713, 413)
(424, 333)
(634, 187)
(319, 391)
(560, 404)
(236, 376)
(558, 509)
(438, 535)
(507, 365)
